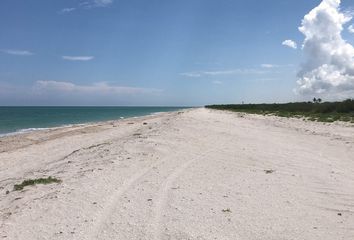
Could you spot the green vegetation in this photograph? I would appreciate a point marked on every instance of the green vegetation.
(30, 182)
(314, 111)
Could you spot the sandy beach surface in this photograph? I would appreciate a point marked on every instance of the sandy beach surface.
(193, 174)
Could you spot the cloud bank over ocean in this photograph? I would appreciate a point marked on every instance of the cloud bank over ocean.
(65, 93)
(328, 68)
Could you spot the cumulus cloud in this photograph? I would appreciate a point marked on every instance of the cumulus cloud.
(351, 29)
(17, 52)
(290, 43)
(328, 68)
(78, 58)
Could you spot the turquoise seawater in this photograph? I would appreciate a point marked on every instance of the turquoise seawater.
(23, 119)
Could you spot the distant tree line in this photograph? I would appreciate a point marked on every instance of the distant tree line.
(317, 100)
(317, 106)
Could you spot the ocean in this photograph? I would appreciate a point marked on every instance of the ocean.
(23, 119)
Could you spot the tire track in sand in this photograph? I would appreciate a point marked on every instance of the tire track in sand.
(163, 195)
(112, 202)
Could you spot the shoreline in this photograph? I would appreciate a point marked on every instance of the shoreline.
(25, 139)
(30, 130)
(190, 174)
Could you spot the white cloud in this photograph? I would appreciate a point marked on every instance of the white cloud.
(95, 3)
(270, 66)
(51, 92)
(67, 10)
(221, 72)
(78, 58)
(96, 88)
(17, 52)
(329, 65)
(88, 5)
(290, 43)
(102, 3)
(267, 65)
(217, 82)
(191, 74)
(351, 29)
(246, 71)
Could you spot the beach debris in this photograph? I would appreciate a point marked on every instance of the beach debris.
(145, 123)
(339, 214)
(269, 171)
(227, 210)
(30, 182)
(7, 192)
(149, 200)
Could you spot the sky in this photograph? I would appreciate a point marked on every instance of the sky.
(174, 53)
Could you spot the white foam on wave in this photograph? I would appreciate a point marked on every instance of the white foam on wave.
(28, 130)
(22, 131)
(157, 113)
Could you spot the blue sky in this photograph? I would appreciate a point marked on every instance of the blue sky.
(156, 52)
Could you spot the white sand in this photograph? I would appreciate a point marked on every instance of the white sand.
(199, 174)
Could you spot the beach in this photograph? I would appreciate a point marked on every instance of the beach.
(189, 174)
